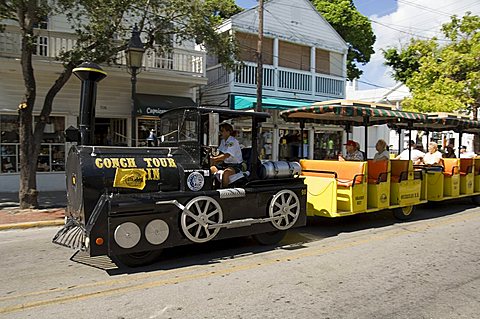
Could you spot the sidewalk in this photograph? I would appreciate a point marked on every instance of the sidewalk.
(50, 213)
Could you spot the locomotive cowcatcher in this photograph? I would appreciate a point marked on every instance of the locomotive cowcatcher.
(131, 202)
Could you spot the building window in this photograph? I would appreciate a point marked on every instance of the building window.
(51, 157)
(42, 46)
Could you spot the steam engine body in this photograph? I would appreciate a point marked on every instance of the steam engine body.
(120, 193)
(129, 202)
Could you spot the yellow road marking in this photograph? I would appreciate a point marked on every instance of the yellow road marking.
(390, 233)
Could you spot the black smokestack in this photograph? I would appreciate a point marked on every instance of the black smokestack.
(90, 74)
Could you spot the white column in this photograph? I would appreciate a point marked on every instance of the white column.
(275, 136)
(312, 68)
(311, 140)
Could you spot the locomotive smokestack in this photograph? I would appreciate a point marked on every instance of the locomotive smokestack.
(90, 74)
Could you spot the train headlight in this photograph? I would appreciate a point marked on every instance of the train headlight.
(127, 235)
(156, 231)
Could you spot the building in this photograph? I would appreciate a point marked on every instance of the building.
(304, 61)
(167, 80)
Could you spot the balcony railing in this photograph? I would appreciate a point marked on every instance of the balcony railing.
(279, 79)
(51, 43)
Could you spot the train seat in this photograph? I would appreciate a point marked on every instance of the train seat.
(466, 166)
(347, 174)
(399, 170)
(450, 166)
(377, 171)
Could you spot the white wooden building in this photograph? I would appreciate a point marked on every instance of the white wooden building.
(166, 81)
(304, 61)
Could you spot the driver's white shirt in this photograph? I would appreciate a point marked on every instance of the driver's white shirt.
(232, 147)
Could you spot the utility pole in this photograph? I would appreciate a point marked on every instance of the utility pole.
(258, 108)
(259, 57)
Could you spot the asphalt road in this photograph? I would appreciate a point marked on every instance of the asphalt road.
(367, 266)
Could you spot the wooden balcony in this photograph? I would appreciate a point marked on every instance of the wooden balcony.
(281, 82)
(51, 43)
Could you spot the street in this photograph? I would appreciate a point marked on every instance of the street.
(367, 266)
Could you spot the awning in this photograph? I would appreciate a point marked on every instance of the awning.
(350, 114)
(151, 104)
(240, 102)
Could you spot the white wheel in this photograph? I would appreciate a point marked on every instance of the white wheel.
(285, 205)
(198, 214)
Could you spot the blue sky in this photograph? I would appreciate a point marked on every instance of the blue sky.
(394, 23)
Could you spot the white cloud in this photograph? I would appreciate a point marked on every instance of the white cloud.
(416, 18)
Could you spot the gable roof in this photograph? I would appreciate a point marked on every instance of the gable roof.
(294, 21)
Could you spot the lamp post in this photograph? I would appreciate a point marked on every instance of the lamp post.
(134, 54)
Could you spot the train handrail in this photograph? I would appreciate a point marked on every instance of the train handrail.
(321, 172)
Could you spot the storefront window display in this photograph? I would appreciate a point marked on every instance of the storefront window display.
(327, 145)
(52, 150)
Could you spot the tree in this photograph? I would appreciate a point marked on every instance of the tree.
(442, 75)
(97, 25)
(353, 27)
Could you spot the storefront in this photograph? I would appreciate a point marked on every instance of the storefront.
(279, 140)
(149, 107)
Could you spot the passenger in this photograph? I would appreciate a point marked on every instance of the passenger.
(449, 151)
(433, 157)
(230, 160)
(416, 155)
(353, 154)
(465, 154)
(363, 153)
(382, 152)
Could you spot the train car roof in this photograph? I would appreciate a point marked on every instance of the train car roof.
(350, 112)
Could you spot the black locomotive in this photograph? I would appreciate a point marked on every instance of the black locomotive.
(130, 203)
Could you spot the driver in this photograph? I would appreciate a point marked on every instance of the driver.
(230, 160)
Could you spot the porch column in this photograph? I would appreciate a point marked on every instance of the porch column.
(275, 65)
(275, 137)
(313, 68)
(311, 140)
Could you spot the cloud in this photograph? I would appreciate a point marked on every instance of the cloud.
(412, 19)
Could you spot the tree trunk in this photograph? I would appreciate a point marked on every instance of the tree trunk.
(28, 193)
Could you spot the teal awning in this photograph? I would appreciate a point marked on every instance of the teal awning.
(241, 102)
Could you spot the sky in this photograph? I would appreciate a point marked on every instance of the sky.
(394, 23)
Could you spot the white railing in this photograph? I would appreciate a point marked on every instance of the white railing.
(50, 44)
(294, 80)
(280, 79)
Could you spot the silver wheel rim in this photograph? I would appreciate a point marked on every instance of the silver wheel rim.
(198, 215)
(285, 208)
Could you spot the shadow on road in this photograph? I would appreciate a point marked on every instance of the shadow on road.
(317, 229)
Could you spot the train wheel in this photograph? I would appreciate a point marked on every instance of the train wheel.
(139, 259)
(285, 205)
(476, 199)
(270, 238)
(404, 213)
(198, 215)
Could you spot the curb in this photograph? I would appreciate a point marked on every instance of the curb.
(46, 223)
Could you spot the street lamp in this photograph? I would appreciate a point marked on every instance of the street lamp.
(134, 54)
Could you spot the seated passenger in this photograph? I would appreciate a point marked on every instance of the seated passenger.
(353, 154)
(416, 155)
(382, 153)
(230, 160)
(465, 154)
(433, 157)
(449, 151)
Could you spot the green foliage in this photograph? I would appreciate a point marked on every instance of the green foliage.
(443, 76)
(353, 27)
